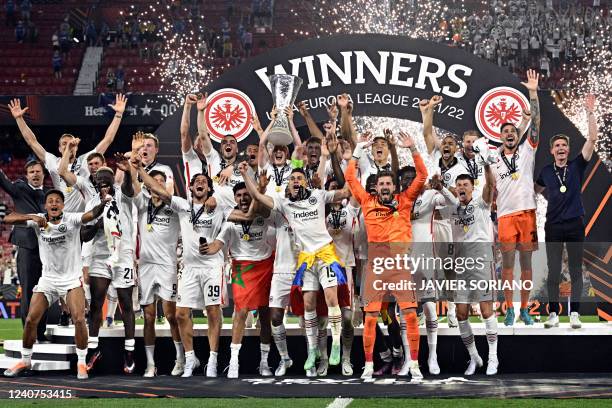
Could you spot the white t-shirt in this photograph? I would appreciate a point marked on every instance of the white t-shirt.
(73, 199)
(307, 218)
(422, 215)
(515, 195)
(124, 205)
(256, 247)
(224, 194)
(207, 225)
(157, 246)
(340, 224)
(60, 247)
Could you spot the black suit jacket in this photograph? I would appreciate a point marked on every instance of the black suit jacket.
(27, 201)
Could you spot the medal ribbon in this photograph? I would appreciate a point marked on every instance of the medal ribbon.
(195, 217)
(153, 211)
(511, 165)
(561, 180)
(336, 215)
(473, 170)
(278, 175)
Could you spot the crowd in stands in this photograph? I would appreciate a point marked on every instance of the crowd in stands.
(519, 34)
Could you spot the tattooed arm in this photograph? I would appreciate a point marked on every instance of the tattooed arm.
(532, 85)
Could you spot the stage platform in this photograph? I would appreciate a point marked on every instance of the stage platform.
(521, 349)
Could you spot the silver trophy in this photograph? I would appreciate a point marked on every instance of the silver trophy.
(284, 91)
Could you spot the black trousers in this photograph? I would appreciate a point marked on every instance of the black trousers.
(29, 270)
(571, 233)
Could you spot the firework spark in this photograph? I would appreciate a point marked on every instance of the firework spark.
(184, 64)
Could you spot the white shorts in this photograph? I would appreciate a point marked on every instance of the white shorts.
(199, 287)
(160, 280)
(87, 253)
(54, 290)
(121, 276)
(426, 273)
(280, 289)
(443, 237)
(319, 274)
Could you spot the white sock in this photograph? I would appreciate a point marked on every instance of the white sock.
(180, 354)
(407, 358)
(150, 352)
(129, 344)
(491, 330)
(81, 355)
(465, 329)
(279, 334)
(335, 322)
(26, 356)
(312, 328)
(264, 349)
(235, 350)
(189, 354)
(451, 308)
(212, 357)
(431, 326)
(92, 342)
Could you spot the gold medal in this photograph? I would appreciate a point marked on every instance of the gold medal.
(216, 179)
(149, 227)
(335, 231)
(395, 214)
(246, 237)
(563, 189)
(515, 176)
(476, 182)
(278, 189)
(465, 228)
(69, 189)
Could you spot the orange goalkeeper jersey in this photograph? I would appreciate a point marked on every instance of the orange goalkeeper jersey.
(384, 224)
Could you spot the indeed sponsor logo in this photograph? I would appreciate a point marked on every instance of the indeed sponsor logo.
(306, 214)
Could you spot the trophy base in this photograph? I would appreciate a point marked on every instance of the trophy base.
(280, 137)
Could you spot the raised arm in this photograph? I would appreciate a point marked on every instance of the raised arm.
(412, 192)
(589, 145)
(97, 210)
(111, 131)
(534, 107)
(203, 136)
(347, 126)
(332, 147)
(313, 129)
(350, 175)
(153, 185)
(296, 136)
(263, 155)
(427, 112)
(127, 187)
(265, 200)
(69, 177)
(26, 132)
(186, 144)
(489, 187)
(393, 153)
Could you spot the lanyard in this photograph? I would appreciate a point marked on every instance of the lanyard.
(147, 169)
(336, 215)
(246, 227)
(278, 175)
(472, 167)
(74, 165)
(462, 211)
(194, 216)
(153, 211)
(444, 168)
(561, 180)
(511, 165)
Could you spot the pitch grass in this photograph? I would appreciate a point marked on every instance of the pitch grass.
(310, 403)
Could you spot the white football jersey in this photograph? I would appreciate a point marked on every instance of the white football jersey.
(164, 169)
(60, 247)
(73, 199)
(449, 176)
(341, 224)
(285, 256)
(206, 224)
(247, 242)
(86, 187)
(515, 194)
(368, 166)
(479, 182)
(307, 218)
(157, 242)
(422, 215)
(278, 178)
(471, 222)
(124, 207)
